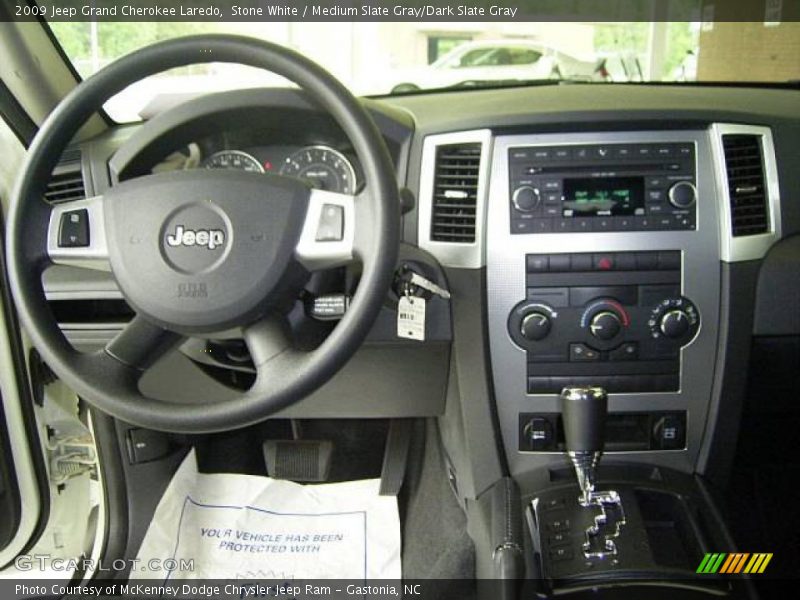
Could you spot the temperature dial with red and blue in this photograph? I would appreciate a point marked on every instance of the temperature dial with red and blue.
(605, 320)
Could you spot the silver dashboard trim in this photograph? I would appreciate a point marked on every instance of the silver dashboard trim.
(751, 247)
(465, 256)
(506, 286)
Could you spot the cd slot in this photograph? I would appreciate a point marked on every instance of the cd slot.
(604, 168)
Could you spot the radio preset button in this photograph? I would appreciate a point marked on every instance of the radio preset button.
(552, 198)
(522, 226)
(582, 224)
(562, 225)
(552, 211)
(604, 224)
(623, 223)
(581, 152)
(623, 151)
(541, 153)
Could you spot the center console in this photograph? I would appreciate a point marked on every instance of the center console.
(603, 280)
(602, 268)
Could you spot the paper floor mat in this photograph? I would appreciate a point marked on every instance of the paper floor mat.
(225, 526)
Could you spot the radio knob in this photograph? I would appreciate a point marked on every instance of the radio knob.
(683, 194)
(605, 325)
(674, 324)
(526, 198)
(535, 326)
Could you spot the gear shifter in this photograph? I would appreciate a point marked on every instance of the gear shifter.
(583, 410)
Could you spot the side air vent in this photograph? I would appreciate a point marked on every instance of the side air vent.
(744, 165)
(66, 182)
(455, 193)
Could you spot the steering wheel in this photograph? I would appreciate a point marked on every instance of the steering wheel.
(197, 252)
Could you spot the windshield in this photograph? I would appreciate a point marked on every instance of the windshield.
(374, 58)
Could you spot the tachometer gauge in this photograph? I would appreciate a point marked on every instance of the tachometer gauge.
(323, 167)
(233, 159)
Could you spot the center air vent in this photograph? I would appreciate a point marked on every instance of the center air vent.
(455, 193)
(748, 197)
(66, 182)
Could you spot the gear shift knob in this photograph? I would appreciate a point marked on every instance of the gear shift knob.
(583, 411)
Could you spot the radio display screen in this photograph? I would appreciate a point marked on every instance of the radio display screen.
(600, 197)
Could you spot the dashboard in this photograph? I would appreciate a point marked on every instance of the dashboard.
(586, 234)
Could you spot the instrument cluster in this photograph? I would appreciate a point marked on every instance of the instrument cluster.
(324, 167)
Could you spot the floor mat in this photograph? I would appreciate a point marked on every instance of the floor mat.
(230, 526)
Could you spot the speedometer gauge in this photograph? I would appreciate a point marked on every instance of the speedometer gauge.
(233, 159)
(323, 167)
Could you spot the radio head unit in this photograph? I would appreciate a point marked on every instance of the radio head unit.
(602, 187)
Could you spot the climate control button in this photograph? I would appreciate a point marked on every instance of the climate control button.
(605, 325)
(535, 326)
(675, 319)
(675, 324)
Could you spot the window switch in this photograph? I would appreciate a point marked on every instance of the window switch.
(331, 224)
(73, 231)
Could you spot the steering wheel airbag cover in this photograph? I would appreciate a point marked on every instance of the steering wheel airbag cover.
(202, 251)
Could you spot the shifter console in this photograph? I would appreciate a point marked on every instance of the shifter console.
(640, 527)
(584, 412)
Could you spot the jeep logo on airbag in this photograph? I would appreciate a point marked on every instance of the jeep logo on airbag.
(207, 238)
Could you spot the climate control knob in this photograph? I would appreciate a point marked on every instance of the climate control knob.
(683, 194)
(675, 324)
(535, 326)
(526, 198)
(605, 325)
(674, 319)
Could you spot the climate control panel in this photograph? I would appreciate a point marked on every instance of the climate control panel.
(617, 320)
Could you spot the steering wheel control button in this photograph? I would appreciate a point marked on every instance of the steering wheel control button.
(73, 230)
(331, 224)
(195, 238)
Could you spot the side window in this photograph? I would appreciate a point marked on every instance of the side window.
(475, 58)
(524, 56)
